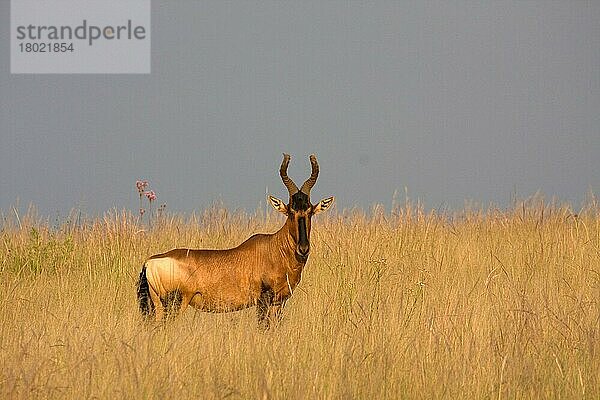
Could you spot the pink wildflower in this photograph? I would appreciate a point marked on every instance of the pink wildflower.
(141, 186)
(151, 195)
(142, 211)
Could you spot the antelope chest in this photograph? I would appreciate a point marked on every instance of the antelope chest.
(286, 283)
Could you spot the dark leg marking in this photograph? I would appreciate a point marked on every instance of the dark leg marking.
(262, 307)
(171, 302)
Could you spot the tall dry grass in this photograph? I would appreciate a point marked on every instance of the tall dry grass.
(481, 304)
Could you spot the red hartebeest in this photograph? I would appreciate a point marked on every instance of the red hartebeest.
(263, 271)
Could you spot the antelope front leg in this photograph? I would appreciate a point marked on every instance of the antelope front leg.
(269, 315)
(262, 312)
(275, 314)
(264, 307)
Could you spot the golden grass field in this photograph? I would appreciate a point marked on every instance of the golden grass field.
(481, 304)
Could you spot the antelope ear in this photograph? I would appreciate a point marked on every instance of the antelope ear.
(323, 205)
(278, 204)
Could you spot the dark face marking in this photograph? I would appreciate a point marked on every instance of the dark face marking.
(302, 237)
(303, 246)
(300, 212)
(300, 202)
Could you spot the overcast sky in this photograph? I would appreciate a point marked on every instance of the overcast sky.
(453, 100)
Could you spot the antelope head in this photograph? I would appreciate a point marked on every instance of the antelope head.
(299, 209)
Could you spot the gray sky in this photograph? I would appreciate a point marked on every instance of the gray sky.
(453, 100)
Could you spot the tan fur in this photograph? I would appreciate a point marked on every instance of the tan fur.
(227, 280)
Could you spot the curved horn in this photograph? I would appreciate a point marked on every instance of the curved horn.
(289, 184)
(310, 182)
